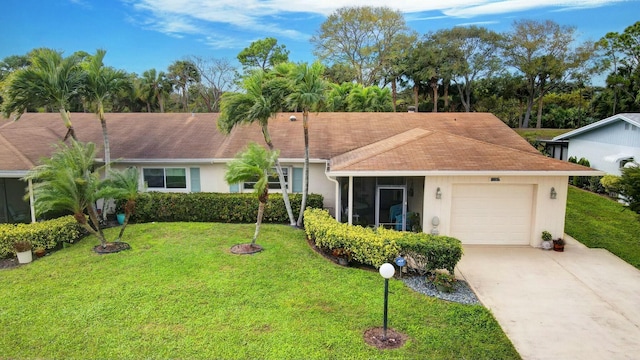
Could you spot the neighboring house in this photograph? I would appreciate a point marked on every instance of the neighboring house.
(608, 144)
(465, 175)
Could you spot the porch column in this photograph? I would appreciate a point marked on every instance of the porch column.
(32, 202)
(350, 215)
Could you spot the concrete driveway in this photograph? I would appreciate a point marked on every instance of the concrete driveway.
(579, 304)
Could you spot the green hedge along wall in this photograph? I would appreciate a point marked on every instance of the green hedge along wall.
(375, 247)
(215, 207)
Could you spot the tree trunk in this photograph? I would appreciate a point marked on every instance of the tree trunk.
(434, 85)
(258, 221)
(107, 149)
(93, 216)
(415, 95)
(283, 185)
(394, 94)
(305, 176)
(66, 118)
(539, 123)
(446, 96)
(128, 210)
(530, 98)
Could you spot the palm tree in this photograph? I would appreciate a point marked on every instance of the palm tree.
(254, 164)
(263, 98)
(102, 84)
(50, 80)
(184, 73)
(123, 185)
(308, 94)
(68, 181)
(155, 86)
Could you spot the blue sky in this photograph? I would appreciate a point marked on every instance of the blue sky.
(143, 34)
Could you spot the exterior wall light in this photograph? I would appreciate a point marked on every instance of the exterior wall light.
(553, 194)
(438, 193)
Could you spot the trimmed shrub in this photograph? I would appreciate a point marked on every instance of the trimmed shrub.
(215, 207)
(45, 234)
(375, 247)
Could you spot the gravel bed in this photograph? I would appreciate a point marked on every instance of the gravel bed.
(462, 292)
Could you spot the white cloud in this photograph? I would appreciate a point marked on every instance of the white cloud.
(176, 17)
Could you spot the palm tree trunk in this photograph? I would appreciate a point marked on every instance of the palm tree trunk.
(66, 118)
(129, 207)
(107, 149)
(93, 216)
(258, 221)
(305, 176)
(283, 185)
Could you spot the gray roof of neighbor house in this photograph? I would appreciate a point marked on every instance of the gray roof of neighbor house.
(631, 118)
(358, 142)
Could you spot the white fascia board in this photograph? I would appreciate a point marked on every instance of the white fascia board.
(464, 173)
(592, 126)
(13, 174)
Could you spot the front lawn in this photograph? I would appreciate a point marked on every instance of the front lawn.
(180, 293)
(599, 222)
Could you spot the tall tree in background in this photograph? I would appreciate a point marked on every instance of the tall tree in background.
(541, 51)
(309, 94)
(620, 54)
(102, 84)
(362, 37)
(51, 80)
(263, 54)
(262, 99)
(476, 57)
(216, 78)
(183, 73)
(155, 87)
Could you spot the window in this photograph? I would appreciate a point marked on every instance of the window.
(165, 178)
(274, 182)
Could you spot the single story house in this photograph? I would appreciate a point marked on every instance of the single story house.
(608, 144)
(465, 175)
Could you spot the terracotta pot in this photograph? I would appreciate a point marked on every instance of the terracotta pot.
(558, 247)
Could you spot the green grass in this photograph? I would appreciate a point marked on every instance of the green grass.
(538, 134)
(599, 222)
(180, 293)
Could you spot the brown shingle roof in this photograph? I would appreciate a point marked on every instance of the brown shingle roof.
(353, 141)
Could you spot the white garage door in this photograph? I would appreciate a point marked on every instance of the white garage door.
(492, 214)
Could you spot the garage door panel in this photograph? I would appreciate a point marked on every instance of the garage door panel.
(492, 214)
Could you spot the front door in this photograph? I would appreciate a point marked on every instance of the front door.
(391, 206)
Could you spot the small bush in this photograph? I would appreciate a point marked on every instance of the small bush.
(375, 247)
(45, 234)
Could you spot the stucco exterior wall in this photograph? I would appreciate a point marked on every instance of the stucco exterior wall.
(601, 156)
(547, 214)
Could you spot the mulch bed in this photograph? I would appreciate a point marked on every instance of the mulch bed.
(246, 249)
(394, 340)
(111, 247)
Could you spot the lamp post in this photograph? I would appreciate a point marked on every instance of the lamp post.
(386, 270)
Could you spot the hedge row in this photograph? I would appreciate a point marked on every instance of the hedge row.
(215, 207)
(45, 234)
(375, 247)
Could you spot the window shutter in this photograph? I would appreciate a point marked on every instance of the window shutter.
(195, 179)
(234, 188)
(297, 180)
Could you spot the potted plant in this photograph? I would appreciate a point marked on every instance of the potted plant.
(40, 251)
(558, 244)
(23, 251)
(343, 255)
(547, 243)
(443, 281)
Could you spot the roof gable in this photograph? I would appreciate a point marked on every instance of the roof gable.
(631, 118)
